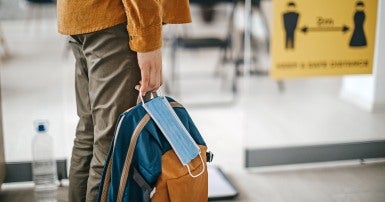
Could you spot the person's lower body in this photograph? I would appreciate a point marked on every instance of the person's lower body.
(289, 41)
(105, 78)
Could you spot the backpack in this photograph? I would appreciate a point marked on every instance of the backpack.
(142, 166)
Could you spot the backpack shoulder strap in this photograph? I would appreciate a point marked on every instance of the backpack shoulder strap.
(127, 162)
(130, 154)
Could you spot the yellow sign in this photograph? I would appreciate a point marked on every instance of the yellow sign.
(322, 37)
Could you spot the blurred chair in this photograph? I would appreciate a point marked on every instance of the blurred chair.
(3, 45)
(260, 23)
(190, 42)
(258, 26)
(35, 9)
(4, 50)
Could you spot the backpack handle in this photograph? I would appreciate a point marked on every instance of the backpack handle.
(147, 97)
(202, 171)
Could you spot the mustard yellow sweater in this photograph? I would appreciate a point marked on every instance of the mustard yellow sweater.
(144, 18)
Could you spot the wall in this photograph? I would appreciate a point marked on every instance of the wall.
(379, 69)
(368, 91)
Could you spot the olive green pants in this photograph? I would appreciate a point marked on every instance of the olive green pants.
(105, 77)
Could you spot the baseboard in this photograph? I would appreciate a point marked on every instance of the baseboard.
(22, 171)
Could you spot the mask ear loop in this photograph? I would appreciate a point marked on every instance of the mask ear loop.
(199, 174)
(141, 96)
(153, 95)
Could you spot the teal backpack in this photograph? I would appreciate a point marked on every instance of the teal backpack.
(142, 165)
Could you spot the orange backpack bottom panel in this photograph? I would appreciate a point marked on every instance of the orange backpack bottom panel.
(175, 182)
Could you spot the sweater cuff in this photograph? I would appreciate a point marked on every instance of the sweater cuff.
(145, 40)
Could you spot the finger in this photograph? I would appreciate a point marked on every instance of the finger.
(160, 73)
(161, 80)
(145, 74)
(155, 82)
(157, 74)
(137, 87)
(158, 78)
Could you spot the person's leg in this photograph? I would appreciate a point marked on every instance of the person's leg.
(113, 73)
(287, 41)
(292, 41)
(83, 143)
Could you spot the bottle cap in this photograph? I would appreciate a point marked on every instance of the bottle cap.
(41, 128)
(41, 125)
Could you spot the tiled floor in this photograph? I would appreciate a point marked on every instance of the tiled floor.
(37, 83)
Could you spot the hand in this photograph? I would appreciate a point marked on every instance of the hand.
(150, 64)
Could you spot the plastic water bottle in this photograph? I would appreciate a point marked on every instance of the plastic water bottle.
(44, 165)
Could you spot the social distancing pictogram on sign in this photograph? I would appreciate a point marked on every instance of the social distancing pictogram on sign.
(319, 38)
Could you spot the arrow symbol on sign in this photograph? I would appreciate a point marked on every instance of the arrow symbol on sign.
(343, 29)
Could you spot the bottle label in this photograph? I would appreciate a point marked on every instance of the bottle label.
(44, 172)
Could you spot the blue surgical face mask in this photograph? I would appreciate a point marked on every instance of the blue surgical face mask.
(172, 128)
